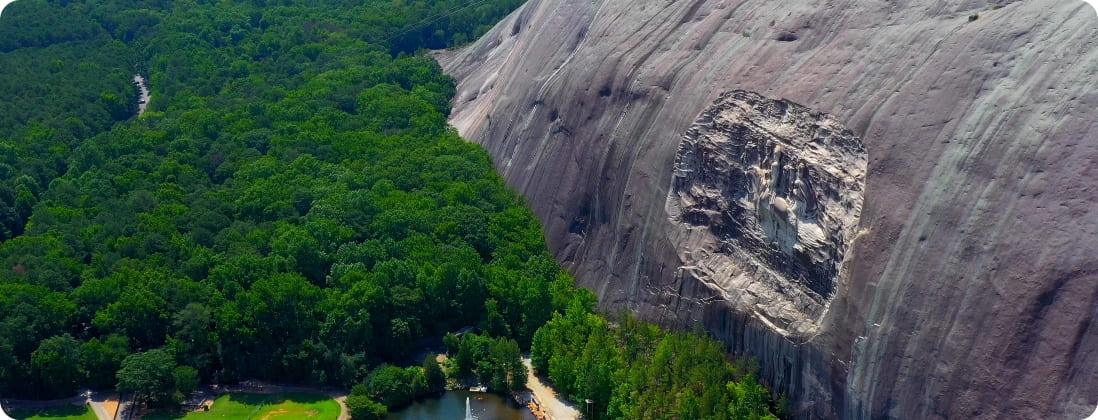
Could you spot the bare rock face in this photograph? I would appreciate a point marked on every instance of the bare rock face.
(967, 284)
(767, 195)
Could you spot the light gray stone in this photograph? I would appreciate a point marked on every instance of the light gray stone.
(765, 198)
(971, 283)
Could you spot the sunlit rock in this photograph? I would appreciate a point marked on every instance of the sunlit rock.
(970, 286)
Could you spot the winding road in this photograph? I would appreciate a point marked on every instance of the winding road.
(143, 96)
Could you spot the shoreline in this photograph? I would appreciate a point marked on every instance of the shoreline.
(546, 399)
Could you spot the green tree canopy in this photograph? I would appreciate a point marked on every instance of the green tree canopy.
(153, 377)
(361, 407)
(57, 365)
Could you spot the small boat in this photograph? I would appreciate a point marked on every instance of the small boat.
(478, 389)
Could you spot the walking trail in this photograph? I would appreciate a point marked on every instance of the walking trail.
(554, 407)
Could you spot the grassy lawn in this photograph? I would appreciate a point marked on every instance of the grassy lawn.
(65, 412)
(285, 406)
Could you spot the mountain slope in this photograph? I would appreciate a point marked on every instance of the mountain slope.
(970, 284)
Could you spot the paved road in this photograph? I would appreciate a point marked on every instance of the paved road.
(143, 96)
(101, 412)
(554, 407)
(104, 404)
(85, 397)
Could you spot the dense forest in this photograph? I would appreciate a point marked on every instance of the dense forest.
(293, 207)
(634, 370)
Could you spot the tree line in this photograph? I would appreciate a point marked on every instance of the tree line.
(293, 207)
(634, 370)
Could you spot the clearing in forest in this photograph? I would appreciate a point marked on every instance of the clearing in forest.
(284, 406)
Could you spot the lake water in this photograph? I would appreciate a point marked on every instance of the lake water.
(451, 406)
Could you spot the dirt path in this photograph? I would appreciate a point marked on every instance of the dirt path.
(344, 413)
(554, 407)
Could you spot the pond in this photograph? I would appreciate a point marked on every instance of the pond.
(451, 405)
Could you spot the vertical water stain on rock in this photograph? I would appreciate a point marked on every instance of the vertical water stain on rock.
(767, 195)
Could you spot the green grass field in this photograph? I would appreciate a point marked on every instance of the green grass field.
(66, 412)
(287, 406)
